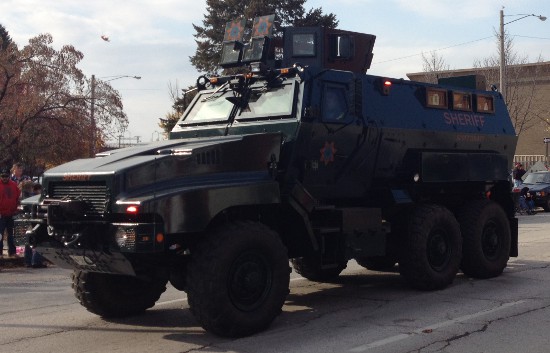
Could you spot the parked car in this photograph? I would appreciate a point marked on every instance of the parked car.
(539, 185)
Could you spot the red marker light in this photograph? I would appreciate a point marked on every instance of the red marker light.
(386, 86)
(131, 209)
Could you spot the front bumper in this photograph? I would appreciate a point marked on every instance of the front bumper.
(91, 246)
(90, 261)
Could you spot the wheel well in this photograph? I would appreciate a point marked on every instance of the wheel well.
(284, 220)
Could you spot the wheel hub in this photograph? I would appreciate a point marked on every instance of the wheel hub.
(438, 250)
(489, 240)
(249, 281)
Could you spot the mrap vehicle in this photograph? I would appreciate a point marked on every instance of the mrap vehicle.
(302, 156)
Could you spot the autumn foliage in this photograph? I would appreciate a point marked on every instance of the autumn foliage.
(45, 104)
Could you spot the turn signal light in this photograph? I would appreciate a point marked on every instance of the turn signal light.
(159, 237)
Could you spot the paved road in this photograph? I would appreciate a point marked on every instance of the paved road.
(363, 312)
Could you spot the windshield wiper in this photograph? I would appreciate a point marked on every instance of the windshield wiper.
(213, 96)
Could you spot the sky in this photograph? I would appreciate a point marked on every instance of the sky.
(154, 39)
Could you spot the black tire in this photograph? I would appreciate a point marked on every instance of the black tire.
(237, 279)
(431, 256)
(115, 295)
(546, 205)
(487, 238)
(311, 267)
(377, 263)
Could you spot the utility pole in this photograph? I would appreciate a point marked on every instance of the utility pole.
(502, 53)
(502, 58)
(92, 120)
(93, 127)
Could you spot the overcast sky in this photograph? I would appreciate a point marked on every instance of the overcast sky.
(153, 39)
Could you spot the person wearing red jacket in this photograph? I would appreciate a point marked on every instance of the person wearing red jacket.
(9, 200)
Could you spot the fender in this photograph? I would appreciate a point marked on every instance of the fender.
(191, 209)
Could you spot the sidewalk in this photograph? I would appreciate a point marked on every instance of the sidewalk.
(7, 262)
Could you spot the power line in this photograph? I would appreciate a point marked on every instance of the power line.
(453, 46)
(418, 54)
(515, 35)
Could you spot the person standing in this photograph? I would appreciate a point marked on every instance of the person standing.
(9, 200)
(17, 174)
(526, 201)
(519, 172)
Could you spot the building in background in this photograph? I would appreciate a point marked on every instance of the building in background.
(528, 98)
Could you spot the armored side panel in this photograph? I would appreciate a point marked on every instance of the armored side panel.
(364, 136)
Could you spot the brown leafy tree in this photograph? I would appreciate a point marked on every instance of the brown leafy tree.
(209, 36)
(45, 105)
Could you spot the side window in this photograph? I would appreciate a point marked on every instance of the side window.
(335, 104)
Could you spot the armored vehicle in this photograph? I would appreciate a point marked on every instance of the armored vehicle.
(298, 154)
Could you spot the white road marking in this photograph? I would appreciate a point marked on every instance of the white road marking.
(433, 327)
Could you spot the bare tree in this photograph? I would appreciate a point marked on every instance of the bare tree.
(523, 81)
(435, 67)
(179, 104)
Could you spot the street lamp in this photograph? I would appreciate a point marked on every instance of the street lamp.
(157, 133)
(92, 108)
(502, 53)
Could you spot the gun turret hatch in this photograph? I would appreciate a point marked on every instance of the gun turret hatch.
(328, 48)
(320, 47)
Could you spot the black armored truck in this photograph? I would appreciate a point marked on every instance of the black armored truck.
(296, 155)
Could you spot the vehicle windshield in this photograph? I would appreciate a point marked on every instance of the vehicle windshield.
(210, 107)
(534, 178)
(264, 103)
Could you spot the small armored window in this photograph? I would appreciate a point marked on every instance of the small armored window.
(436, 98)
(335, 105)
(340, 46)
(485, 104)
(462, 101)
(303, 44)
(231, 54)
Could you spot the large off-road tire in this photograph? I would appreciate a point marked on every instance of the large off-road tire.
(311, 267)
(431, 256)
(237, 279)
(116, 295)
(377, 263)
(546, 205)
(487, 238)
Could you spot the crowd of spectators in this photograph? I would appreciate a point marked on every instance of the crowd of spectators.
(15, 186)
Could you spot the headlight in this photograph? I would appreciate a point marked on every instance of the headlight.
(125, 236)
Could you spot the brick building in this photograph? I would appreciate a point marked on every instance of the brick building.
(528, 98)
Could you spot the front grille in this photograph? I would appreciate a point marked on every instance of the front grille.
(19, 233)
(95, 194)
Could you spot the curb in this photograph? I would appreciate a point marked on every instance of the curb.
(12, 262)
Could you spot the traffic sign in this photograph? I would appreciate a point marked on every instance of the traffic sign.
(547, 140)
